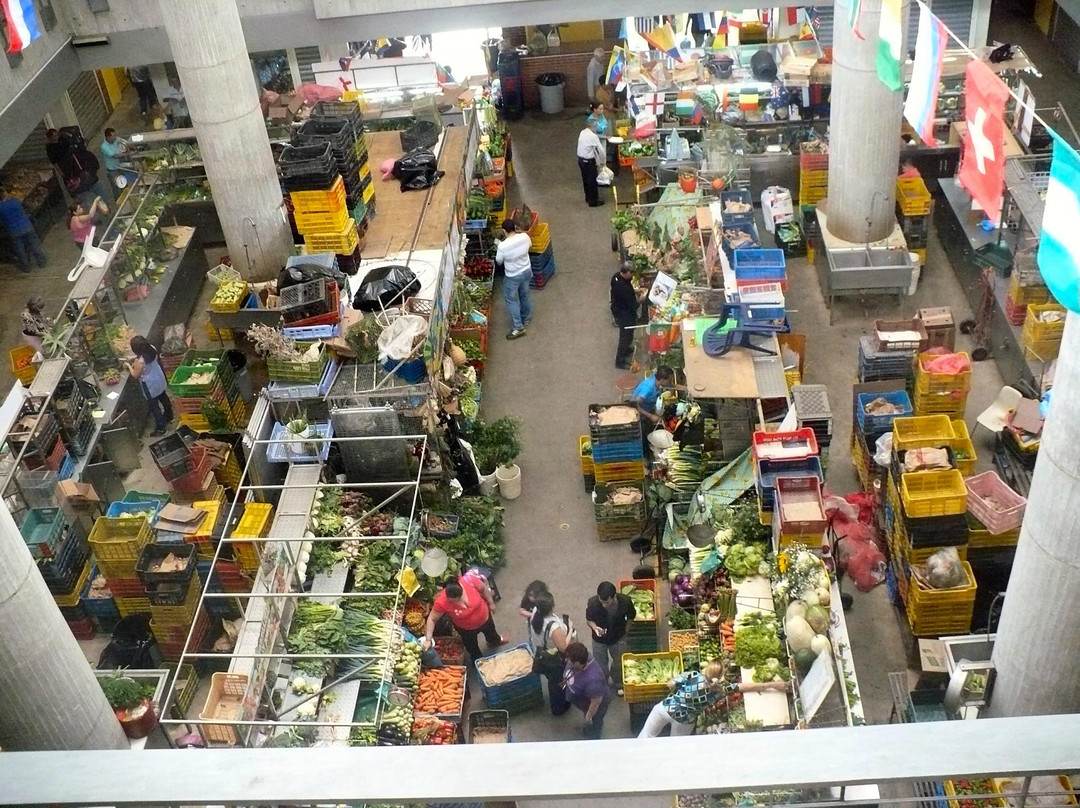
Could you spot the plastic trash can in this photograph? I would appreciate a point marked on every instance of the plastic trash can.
(551, 87)
(238, 361)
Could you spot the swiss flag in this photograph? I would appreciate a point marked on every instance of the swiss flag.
(982, 162)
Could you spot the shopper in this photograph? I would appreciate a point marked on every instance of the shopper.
(549, 635)
(139, 76)
(625, 300)
(528, 600)
(24, 239)
(80, 170)
(54, 147)
(608, 614)
(81, 221)
(595, 73)
(470, 604)
(585, 688)
(590, 156)
(513, 254)
(147, 369)
(179, 116)
(35, 325)
(692, 693)
(597, 115)
(115, 151)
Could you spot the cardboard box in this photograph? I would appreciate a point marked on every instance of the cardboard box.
(280, 114)
(77, 493)
(932, 657)
(938, 317)
(180, 519)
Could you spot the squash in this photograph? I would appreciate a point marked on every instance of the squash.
(799, 633)
(818, 617)
(820, 645)
(457, 354)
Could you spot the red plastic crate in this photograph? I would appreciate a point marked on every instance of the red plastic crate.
(331, 317)
(126, 587)
(766, 444)
(532, 224)
(192, 482)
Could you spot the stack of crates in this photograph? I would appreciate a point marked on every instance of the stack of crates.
(889, 353)
(913, 206)
(221, 391)
(359, 186)
(941, 393)
(173, 596)
(872, 426)
(618, 462)
(1043, 330)
(641, 633)
(813, 173)
(798, 513)
(587, 469)
(204, 538)
(314, 168)
(514, 696)
(940, 327)
(733, 428)
(254, 523)
(648, 694)
(541, 256)
(768, 470)
(98, 603)
(226, 577)
(228, 299)
(1023, 292)
(116, 545)
(811, 402)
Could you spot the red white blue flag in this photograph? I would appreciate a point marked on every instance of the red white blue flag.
(22, 26)
(922, 94)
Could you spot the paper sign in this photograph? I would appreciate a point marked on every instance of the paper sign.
(816, 685)
(662, 289)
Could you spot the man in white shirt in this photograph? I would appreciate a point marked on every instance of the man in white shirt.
(513, 254)
(590, 156)
(595, 73)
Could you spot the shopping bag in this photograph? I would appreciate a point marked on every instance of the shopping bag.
(604, 176)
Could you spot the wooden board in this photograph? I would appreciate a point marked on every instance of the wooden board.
(399, 215)
(729, 376)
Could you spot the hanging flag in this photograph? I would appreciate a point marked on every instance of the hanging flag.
(22, 27)
(982, 158)
(662, 38)
(616, 66)
(855, 17)
(1059, 245)
(890, 38)
(922, 97)
(652, 104)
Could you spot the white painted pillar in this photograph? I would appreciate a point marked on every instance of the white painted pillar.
(1038, 636)
(49, 697)
(212, 60)
(864, 132)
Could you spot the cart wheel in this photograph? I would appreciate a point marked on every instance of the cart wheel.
(967, 326)
(980, 353)
(614, 242)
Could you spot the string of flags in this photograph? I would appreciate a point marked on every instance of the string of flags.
(21, 22)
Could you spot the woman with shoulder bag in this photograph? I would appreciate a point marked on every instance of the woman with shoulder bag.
(549, 635)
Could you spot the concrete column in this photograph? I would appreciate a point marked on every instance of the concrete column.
(211, 58)
(864, 131)
(1038, 637)
(49, 697)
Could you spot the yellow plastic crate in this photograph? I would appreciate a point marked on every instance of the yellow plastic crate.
(314, 201)
(642, 693)
(585, 452)
(1066, 783)
(213, 509)
(128, 606)
(933, 493)
(619, 472)
(962, 444)
(255, 521)
(541, 237)
(22, 365)
(1043, 351)
(1026, 295)
(991, 788)
(921, 431)
(119, 540)
(926, 382)
(315, 222)
(369, 193)
(912, 196)
(917, 557)
(951, 404)
(792, 377)
(196, 422)
(979, 538)
(342, 241)
(1036, 331)
(933, 612)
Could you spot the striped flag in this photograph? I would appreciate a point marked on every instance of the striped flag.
(616, 66)
(662, 39)
(926, 74)
(1059, 245)
(854, 16)
(22, 27)
(890, 40)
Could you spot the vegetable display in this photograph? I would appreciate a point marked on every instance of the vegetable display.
(744, 560)
(656, 671)
(505, 667)
(680, 619)
(441, 691)
(642, 600)
(429, 730)
(757, 639)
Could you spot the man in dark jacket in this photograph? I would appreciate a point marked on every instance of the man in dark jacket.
(624, 310)
(608, 614)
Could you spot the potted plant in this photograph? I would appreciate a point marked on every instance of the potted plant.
(302, 432)
(496, 446)
(131, 703)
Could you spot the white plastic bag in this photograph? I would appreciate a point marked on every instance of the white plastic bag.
(397, 339)
(605, 176)
(883, 450)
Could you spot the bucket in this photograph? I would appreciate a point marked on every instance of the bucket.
(658, 339)
(687, 182)
(509, 478)
(487, 484)
(551, 87)
(916, 272)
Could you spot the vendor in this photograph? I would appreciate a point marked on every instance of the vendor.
(470, 604)
(692, 693)
(147, 369)
(34, 324)
(648, 392)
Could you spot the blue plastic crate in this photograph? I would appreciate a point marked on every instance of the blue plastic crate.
(412, 371)
(475, 225)
(617, 452)
(768, 471)
(307, 333)
(289, 391)
(749, 228)
(121, 507)
(67, 467)
(522, 686)
(61, 572)
(759, 265)
(878, 424)
(102, 610)
(279, 453)
(142, 496)
(542, 258)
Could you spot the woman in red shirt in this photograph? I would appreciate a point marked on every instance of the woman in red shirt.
(469, 603)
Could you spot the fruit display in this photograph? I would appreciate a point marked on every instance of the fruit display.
(407, 668)
(395, 728)
(643, 601)
(415, 616)
(229, 295)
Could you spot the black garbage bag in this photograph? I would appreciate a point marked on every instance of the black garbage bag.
(386, 286)
(302, 273)
(417, 170)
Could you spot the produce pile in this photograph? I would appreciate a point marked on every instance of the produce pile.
(229, 296)
(744, 560)
(656, 671)
(170, 563)
(441, 691)
(505, 667)
(395, 726)
(429, 730)
(643, 600)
